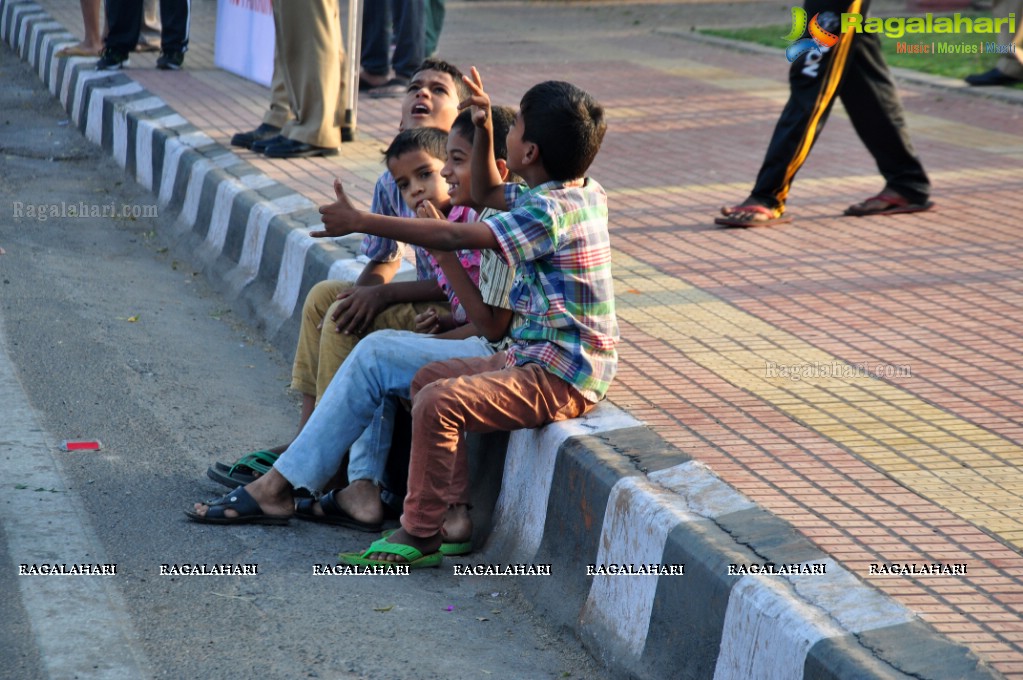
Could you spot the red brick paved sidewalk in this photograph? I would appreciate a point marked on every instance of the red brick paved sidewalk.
(861, 378)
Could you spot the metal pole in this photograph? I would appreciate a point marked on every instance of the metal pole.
(354, 50)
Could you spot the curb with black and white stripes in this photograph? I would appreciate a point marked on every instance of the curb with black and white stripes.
(584, 496)
(616, 495)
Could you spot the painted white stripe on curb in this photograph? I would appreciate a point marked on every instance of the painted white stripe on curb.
(80, 623)
(173, 150)
(4, 23)
(35, 38)
(144, 146)
(196, 177)
(637, 521)
(529, 470)
(768, 631)
(94, 122)
(77, 112)
(65, 86)
(47, 41)
(855, 606)
(223, 205)
(255, 236)
(289, 277)
(121, 124)
(30, 10)
(704, 492)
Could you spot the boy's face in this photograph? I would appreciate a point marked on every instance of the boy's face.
(417, 175)
(431, 101)
(457, 169)
(516, 146)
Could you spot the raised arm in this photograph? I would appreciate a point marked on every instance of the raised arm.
(341, 218)
(487, 183)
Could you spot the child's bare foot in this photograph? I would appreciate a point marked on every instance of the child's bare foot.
(82, 49)
(457, 525)
(357, 506)
(361, 501)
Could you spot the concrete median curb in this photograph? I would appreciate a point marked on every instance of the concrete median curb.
(596, 498)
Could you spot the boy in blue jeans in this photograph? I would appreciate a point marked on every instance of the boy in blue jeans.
(563, 357)
(337, 313)
(396, 355)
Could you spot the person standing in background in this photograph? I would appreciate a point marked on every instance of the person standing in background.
(124, 28)
(307, 92)
(433, 23)
(95, 30)
(405, 19)
(1009, 69)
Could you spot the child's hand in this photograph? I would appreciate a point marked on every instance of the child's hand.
(478, 100)
(428, 322)
(355, 310)
(429, 210)
(339, 218)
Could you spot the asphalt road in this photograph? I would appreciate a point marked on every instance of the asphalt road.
(106, 334)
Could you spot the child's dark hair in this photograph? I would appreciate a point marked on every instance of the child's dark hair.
(503, 117)
(461, 89)
(566, 124)
(431, 140)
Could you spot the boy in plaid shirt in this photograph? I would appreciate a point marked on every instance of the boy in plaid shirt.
(563, 356)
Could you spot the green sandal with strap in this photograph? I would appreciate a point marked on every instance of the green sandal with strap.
(245, 470)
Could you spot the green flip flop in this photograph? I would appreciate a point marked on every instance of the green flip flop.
(244, 471)
(414, 559)
(446, 549)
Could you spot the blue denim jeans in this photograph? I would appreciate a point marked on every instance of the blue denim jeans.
(379, 369)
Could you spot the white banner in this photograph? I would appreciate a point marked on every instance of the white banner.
(245, 39)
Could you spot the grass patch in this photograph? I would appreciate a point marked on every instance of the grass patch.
(956, 66)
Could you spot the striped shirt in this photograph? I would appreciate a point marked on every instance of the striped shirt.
(556, 238)
(496, 281)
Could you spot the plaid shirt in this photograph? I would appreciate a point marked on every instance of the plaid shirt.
(556, 238)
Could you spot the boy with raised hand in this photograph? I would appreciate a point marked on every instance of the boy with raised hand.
(383, 365)
(397, 355)
(563, 357)
(336, 313)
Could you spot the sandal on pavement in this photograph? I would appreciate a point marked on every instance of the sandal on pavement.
(244, 471)
(751, 215)
(446, 549)
(333, 513)
(413, 558)
(886, 204)
(241, 502)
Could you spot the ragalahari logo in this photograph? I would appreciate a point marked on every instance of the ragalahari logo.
(822, 30)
